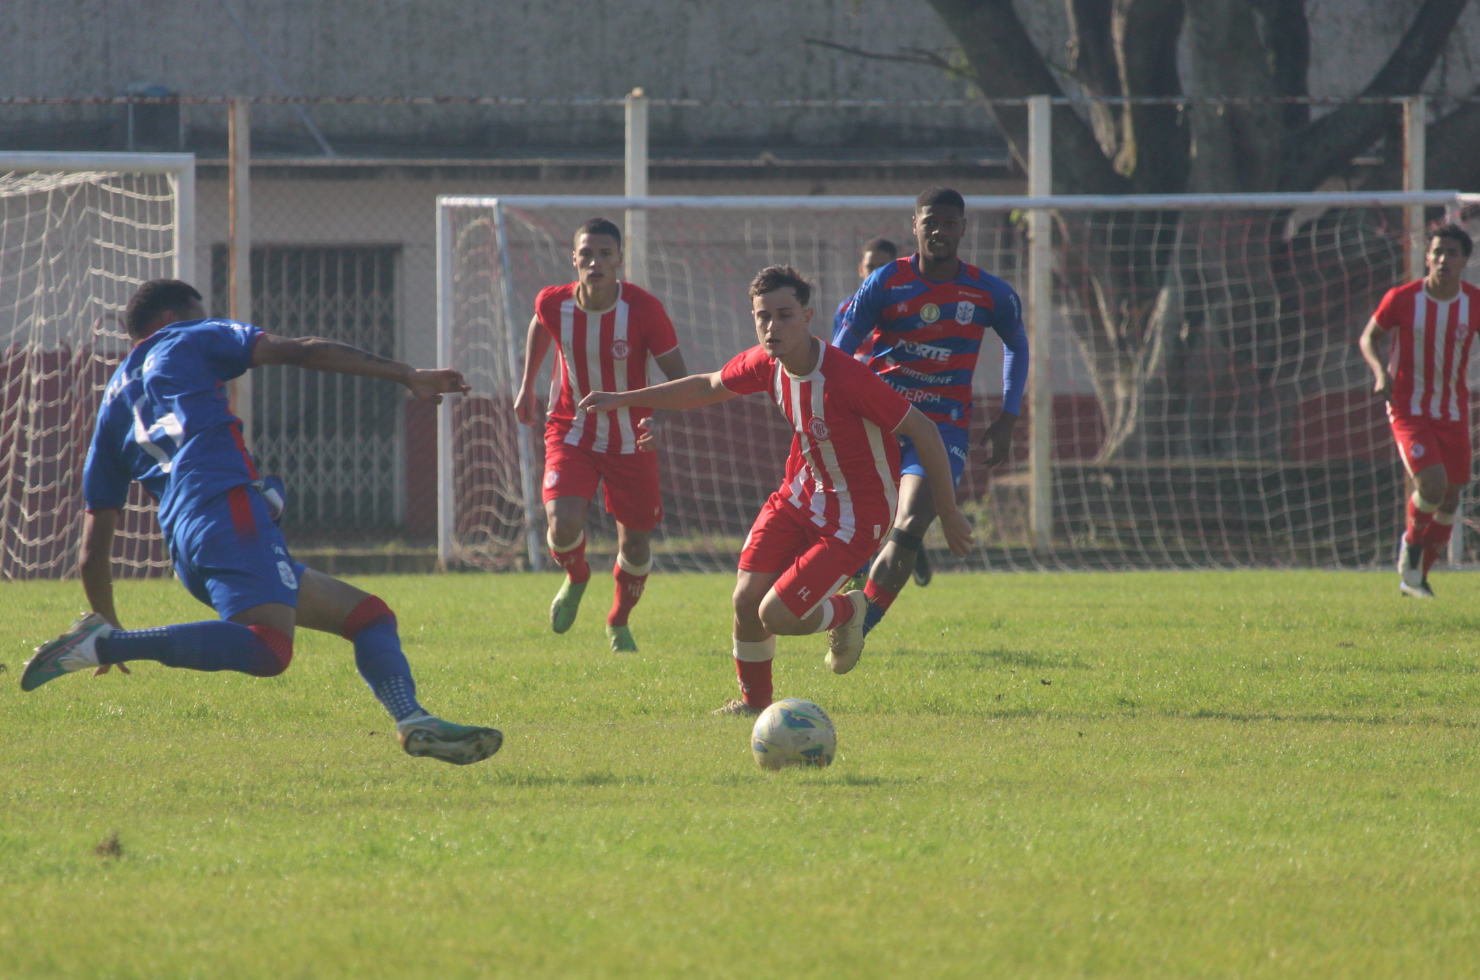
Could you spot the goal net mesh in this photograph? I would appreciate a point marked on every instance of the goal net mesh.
(73, 247)
(1210, 404)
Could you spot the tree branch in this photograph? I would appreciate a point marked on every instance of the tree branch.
(909, 56)
(1327, 145)
(1004, 62)
(1156, 138)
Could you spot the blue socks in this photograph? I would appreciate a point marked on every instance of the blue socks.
(380, 661)
(211, 645)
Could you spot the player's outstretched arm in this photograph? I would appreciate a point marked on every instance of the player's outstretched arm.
(692, 392)
(673, 368)
(536, 346)
(932, 452)
(1382, 384)
(94, 565)
(332, 357)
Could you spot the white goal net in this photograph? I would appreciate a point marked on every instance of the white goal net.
(1209, 405)
(78, 233)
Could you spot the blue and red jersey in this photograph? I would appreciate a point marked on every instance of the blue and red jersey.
(166, 422)
(927, 336)
(862, 351)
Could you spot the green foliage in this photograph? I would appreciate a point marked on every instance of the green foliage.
(1135, 775)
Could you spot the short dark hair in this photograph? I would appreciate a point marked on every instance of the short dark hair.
(940, 197)
(880, 245)
(153, 298)
(600, 226)
(1454, 231)
(774, 277)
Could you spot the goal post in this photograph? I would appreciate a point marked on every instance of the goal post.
(78, 233)
(1209, 407)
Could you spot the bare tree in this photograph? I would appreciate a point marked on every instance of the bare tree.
(1169, 313)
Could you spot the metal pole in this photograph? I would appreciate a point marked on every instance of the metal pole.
(446, 503)
(637, 186)
(533, 510)
(1040, 321)
(1415, 120)
(239, 205)
(183, 182)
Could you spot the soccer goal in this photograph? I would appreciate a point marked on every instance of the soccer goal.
(78, 233)
(1209, 406)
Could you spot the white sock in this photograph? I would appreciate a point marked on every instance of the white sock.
(1424, 505)
(754, 651)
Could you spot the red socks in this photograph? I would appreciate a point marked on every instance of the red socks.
(875, 594)
(836, 611)
(572, 559)
(279, 644)
(630, 582)
(1419, 522)
(1436, 543)
(753, 668)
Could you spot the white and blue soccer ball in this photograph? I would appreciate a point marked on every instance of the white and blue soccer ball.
(793, 732)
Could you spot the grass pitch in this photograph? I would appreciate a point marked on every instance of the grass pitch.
(1132, 775)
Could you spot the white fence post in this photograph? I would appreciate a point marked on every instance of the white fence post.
(1415, 120)
(1040, 324)
(636, 220)
(239, 204)
(446, 504)
(184, 184)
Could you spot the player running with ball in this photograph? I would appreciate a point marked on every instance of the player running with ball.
(842, 478)
(925, 316)
(603, 330)
(165, 422)
(1433, 322)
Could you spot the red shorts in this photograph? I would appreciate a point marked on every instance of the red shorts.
(630, 481)
(812, 564)
(1424, 442)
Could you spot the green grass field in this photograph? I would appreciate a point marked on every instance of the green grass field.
(1124, 775)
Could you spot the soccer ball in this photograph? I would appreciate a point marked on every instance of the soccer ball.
(793, 732)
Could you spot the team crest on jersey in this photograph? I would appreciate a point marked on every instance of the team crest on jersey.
(964, 312)
(620, 349)
(930, 312)
(818, 428)
(552, 477)
(1417, 451)
(285, 572)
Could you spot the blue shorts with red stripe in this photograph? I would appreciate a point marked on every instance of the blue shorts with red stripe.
(957, 442)
(231, 556)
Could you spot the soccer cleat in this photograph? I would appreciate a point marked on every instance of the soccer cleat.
(923, 572)
(460, 745)
(845, 643)
(567, 603)
(621, 639)
(76, 649)
(736, 708)
(1419, 591)
(1410, 563)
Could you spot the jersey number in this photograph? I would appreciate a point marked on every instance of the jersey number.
(150, 437)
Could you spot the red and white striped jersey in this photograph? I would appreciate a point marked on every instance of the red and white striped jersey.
(603, 350)
(843, 471)
(1431, 350)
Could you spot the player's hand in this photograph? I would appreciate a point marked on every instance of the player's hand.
(526, 408)
(999, 434)
(957, 531)
(601, 401)
(1383, 387)
(647, 438)
(431, 385)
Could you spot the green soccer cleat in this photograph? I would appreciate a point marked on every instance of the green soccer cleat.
(460, 745)
(76, 649)
(567, 603)
(621, 639)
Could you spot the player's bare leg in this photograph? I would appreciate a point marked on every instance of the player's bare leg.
(896, 561)
(566, 517)
(634, 562)
(1431, 515)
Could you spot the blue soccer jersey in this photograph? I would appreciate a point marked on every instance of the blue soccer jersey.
(165, 421)
(927, 336)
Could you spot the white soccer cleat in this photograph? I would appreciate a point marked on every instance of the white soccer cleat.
(1410, 569)
(74, 650)
(461, 745)
(845, 643)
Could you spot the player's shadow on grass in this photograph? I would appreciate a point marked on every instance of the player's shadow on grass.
(985, 659)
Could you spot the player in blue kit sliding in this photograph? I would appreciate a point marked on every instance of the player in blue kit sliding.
(165, 422)
(925, 316)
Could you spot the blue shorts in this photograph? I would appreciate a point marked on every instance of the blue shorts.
(231, 556)
(956, 442)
